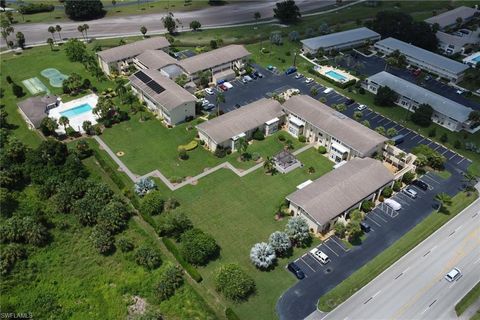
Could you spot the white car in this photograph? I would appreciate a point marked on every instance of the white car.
(328, 90)
(298, 76)
(460, 91)
(228, 85)
(209, 91)
(320, 255)
(410, 192)
(361, 107)
(453, 275)
(308, 80)
(393, 204)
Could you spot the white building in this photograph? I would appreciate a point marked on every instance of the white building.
(163, 96)
(447, 113)
(424, 59)
(449, 18)
(343, 137)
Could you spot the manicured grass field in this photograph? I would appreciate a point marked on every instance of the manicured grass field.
(368, 272)
(239, 212)
(472, 296)
(149, 145)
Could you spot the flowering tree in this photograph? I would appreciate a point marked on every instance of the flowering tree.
(280, 242)
(262, 255)
(297, 230)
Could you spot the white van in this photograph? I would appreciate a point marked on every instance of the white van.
(320, 256)
(328, 90)
(393, 204)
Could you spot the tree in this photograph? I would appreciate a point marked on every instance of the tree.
(84, 10)
(340, 229)
(354, 232)
(6, 29)
(52, 30)
(213, 44)
(148, 257)
(269, 165)
(87, 127)
(81, 30)
(234, 283)
(198, 247)
(144, 185)
(297, 230)
(262, 255)
(170, 280)
(380, 130)
(195, 25)
(125, 245)
(474, 116)
(83, 150)
(143, 30)
(408, 177)
(423, 115)
(170, 23)
(20, 39)
(242, 146)
(392, 132)
(152, 203)
(173, 224)
(85, 28)
(50, 43)
(287, 11)
(220, 98)
(58, 28)
(385, 97)
(102, 240)
(114, 216)
(276, 38)
(63, 121)
(444, 199)
(280, 242)
(459, 21)
(17, 90)
(75, 50)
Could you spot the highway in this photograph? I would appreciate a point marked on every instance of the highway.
(414, 287)
(237, 12)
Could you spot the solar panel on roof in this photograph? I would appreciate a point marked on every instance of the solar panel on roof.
(143, 77)
(155, 87)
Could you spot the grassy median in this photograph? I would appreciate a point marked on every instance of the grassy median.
(368, 272)
(468, 300)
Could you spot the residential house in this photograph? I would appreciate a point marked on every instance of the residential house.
(35, 109)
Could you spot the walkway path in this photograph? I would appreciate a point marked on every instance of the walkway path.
(156, 173)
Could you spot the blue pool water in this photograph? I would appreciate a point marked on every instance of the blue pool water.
(77, 110)
(335, 75)
(476, 59)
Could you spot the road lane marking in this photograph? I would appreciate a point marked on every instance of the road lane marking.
(477, 261)
(426, 253)
(398, 276)
(368, 300)
(376, 294)
(451, 233)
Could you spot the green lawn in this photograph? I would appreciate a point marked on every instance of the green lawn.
(239, 212)
(149, 145)
(368, 272)
(472, 296)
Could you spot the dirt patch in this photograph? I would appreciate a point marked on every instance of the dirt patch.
(194, 182)
(138, 307)
(120, 154)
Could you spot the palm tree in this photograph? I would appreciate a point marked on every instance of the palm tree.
(471, 180)
(268, 165)
(220, 98)
(58, 28)
(50, 42)
(64, 122)
(52, 30)
(85, 28)
(7, 29)
(444, 199)
(242, 146)
(80, 29)
(87, 126)
(143, 30)
(257, 15)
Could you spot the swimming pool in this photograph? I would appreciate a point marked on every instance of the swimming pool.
(335, 75)
(476, 59)
(76, 111)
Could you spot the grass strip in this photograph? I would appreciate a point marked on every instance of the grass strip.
(468, 300)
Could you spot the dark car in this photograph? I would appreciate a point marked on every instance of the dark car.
(349, 102)
(237, 106)
(290, 70)
(254, 76)
(292, 266)
(420, 184)
(365, 226)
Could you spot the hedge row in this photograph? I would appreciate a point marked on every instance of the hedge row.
(32, 8)
(112, 174)
(187, 266)
(341, 85)
(231, 315)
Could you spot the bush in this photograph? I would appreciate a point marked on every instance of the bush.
(322, 150)
(262, 255)
(367, 206)
(17, 90)
(173, 224)
(444, 138)
(125, 245)
(84, 10)
(302, 139)
(234, 283)
(9, 256)
(152, 203)
(297, 230)
(280, 242)
(387, 192)
(31, 8)
(408, 177)
(170, 280)
(457, 145)
(281, 137)
(220, 152)
(397, 185)
(187, 266)
(354, 231)
(356, 215)
(255, 156)
(340, 229)
(231, 315)
(198, 247)
(102, 240)
(432, 133)
(182, 154)
(258, 135)
(148, 258)
(189, 146)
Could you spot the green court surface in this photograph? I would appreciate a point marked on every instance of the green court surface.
(35, 86)
(54, 76)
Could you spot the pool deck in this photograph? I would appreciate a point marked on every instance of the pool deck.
(323, 70)
(75, 121)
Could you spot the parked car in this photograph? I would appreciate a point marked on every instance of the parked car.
(308, 80)
(271, 68)
(209, 91)
(460, 91)
(427, 78)
(410, 192)
(260, 75)
(237, 106)
(453, 275)
(328, 90)
(393, 204)
(320, 255)
(365, 226)
(208, 107)
(204, 102)
(361, 107)
(223, 87)
(247, 78)
(244, 80)
(228, 85)
(349, 102)
(298, 76)
(254, 76)
(290, 70)
(398, 139)
(420, 184)
(295, 269)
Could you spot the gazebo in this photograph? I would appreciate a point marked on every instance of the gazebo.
(286, 162)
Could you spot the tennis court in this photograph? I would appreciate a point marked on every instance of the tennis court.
(35, 86)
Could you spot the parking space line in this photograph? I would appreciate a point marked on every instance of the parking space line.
(430, 178)
(375, 116)
(461, 160)
(325, 244)
(305, 262)
(368, 217)
(341, 246)
(378, 216)
(409, 131)
(383, 119)
(438, 146)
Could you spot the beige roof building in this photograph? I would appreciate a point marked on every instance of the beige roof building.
(241, 120)
(155, 59)
(214, 58)
(348, 131)
(449, 18)
(338, 191)
(133, 49)
(34, 109)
